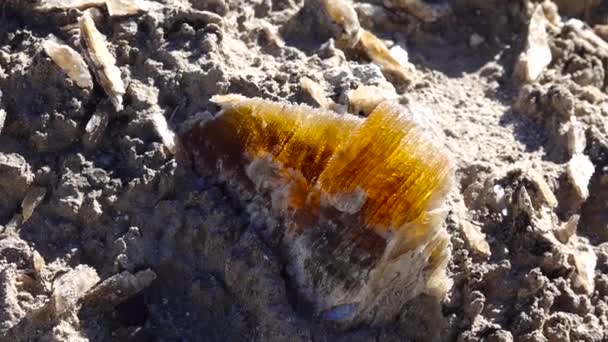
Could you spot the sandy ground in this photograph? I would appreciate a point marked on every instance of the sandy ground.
(125, 242)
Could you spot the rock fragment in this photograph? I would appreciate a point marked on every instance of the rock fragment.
(537, 54)
(67, 4)
(427, 12)
(166, 134)
(583, 31)
(584, 260)
(114, 7)
(95, 128)
(574, 8)
(344, 27)
(316, 92)
(564, 232)
(64, 331)
(475, 238)
(475, 40)
(547, 196)
(15, 177)
(32, 199)
(122, 7)
(120, 287)
(576, 139)
(71, 287)
(70, 61)
(364, 99)
(102, 61)
(11, 311)
(378, 53)
(579, 171)
(38, 262)
(2, 119)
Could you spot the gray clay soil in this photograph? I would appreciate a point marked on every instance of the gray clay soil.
(176, 255)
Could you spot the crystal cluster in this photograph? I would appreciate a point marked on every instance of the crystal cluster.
(354, 205)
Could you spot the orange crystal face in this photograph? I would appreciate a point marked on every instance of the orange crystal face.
(383, 168)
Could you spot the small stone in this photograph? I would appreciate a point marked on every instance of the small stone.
(500, 336)
(475, 238)
(344, 17)
(579, 171)
(122, 7)
(102, 61)
(69, 4)
(2, 119)
(70, 287)
(15, 176)
(166, 134)
(537, 54)
(585, 261)
(120, 287)
(38, 262)
(567, 230)
(572, 8)
(95, 128)
(32, 199)
(70, 61)
(583, 31)
(400, 54)
(494, 197)
(377, 51)
(64, 331)
(364, 99)
(427, 12)
(576, 140)
(547, 196)
(552, 13)
(316, 92)
(476, 40)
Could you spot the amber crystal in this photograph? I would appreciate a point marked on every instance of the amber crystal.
(360, 200)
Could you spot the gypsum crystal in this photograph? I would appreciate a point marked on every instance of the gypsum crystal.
(360, 201)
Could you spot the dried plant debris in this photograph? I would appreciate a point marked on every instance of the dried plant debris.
(102, 61)
(375, 49)
(70, 61)
(537, 54)
(361, 200)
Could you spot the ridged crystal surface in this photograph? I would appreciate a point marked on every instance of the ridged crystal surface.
(385, 158)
